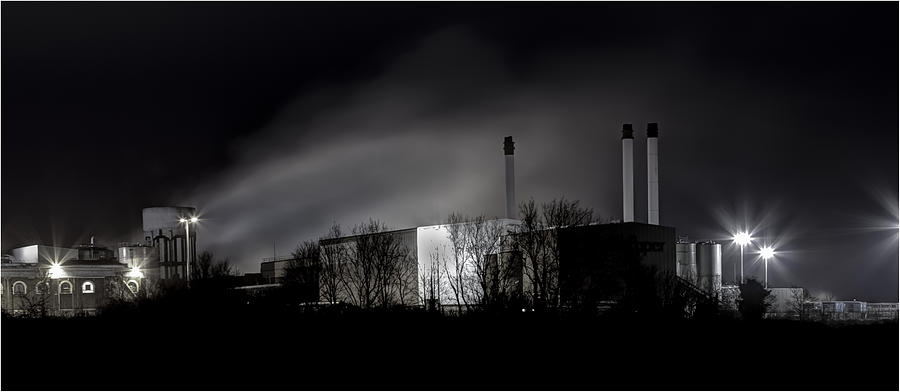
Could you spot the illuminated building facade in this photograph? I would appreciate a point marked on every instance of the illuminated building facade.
(42, 280)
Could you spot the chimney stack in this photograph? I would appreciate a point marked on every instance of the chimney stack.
(627, 173)
(652, 174)
(508, 148)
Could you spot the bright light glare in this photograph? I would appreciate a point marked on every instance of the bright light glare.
(767, 252)
(56, 272)
(135, 273)
(742, 238)
(194, 220)
(182, 220)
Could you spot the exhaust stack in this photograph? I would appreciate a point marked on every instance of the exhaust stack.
(508, 148)
(627, 173)
(652, 174)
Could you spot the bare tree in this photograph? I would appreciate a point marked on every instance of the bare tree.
(373, 259)
(301, 275)
(482, 238)
(332, 258)
(537, 240)
(405, 276)
(37, 302)
(431, 279)
(798, 302)
(455, 266)
(531, 240)
(204, 268)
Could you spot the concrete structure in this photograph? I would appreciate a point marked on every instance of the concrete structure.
(686, 261)
(508, 149)
(163, 231)
(709, 266)
(627, 173)
(652, 174)
(272, 268)
(41, 253)
(593, 259)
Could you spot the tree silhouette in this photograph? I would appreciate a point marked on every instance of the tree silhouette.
(755, 300)
(301, 275)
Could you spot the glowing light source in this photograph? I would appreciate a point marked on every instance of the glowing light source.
(742, 238)
(56, 271)
(767, 252)
(135, 273)
(194, 219)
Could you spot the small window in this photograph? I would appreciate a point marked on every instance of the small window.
(65, 288)
(41, 288)
(87, 287)
(133, 286)
(19, 288)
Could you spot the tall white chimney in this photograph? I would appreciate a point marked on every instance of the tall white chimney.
(652, 174)
(510, 178)
(627, 173)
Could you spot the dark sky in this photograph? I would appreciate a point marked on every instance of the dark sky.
(277, 119)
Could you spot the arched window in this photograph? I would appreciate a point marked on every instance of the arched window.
(65, 287)
(87, 287)
(19, 288)
(41, 288)
(133, 286)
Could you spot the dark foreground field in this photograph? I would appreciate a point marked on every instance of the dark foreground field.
(243, 349)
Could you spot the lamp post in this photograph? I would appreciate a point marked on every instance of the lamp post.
(742, 239)
(187, 246)
(767, 253)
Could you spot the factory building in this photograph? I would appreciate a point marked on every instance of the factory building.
(46, 280)
(272, 269)
(80, 280)
(589, 256)
(593, 259)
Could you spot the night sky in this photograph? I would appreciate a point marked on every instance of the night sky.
(277, 119)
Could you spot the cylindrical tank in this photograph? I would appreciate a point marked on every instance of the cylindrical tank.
(709, 264)
(138, 255)
(168, 239)
(686, 261)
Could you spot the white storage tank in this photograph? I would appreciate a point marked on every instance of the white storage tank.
(709, 265)
(686, 261)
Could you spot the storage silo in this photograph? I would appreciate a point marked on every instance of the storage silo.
(167, 235)
(709, 264)
(686, 261)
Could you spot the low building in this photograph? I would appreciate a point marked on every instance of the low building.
(882, 311)
(272, 269)
(59, 282)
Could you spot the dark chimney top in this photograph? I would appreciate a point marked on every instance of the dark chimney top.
(627, 132)
(508, 146)
(652, 130)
